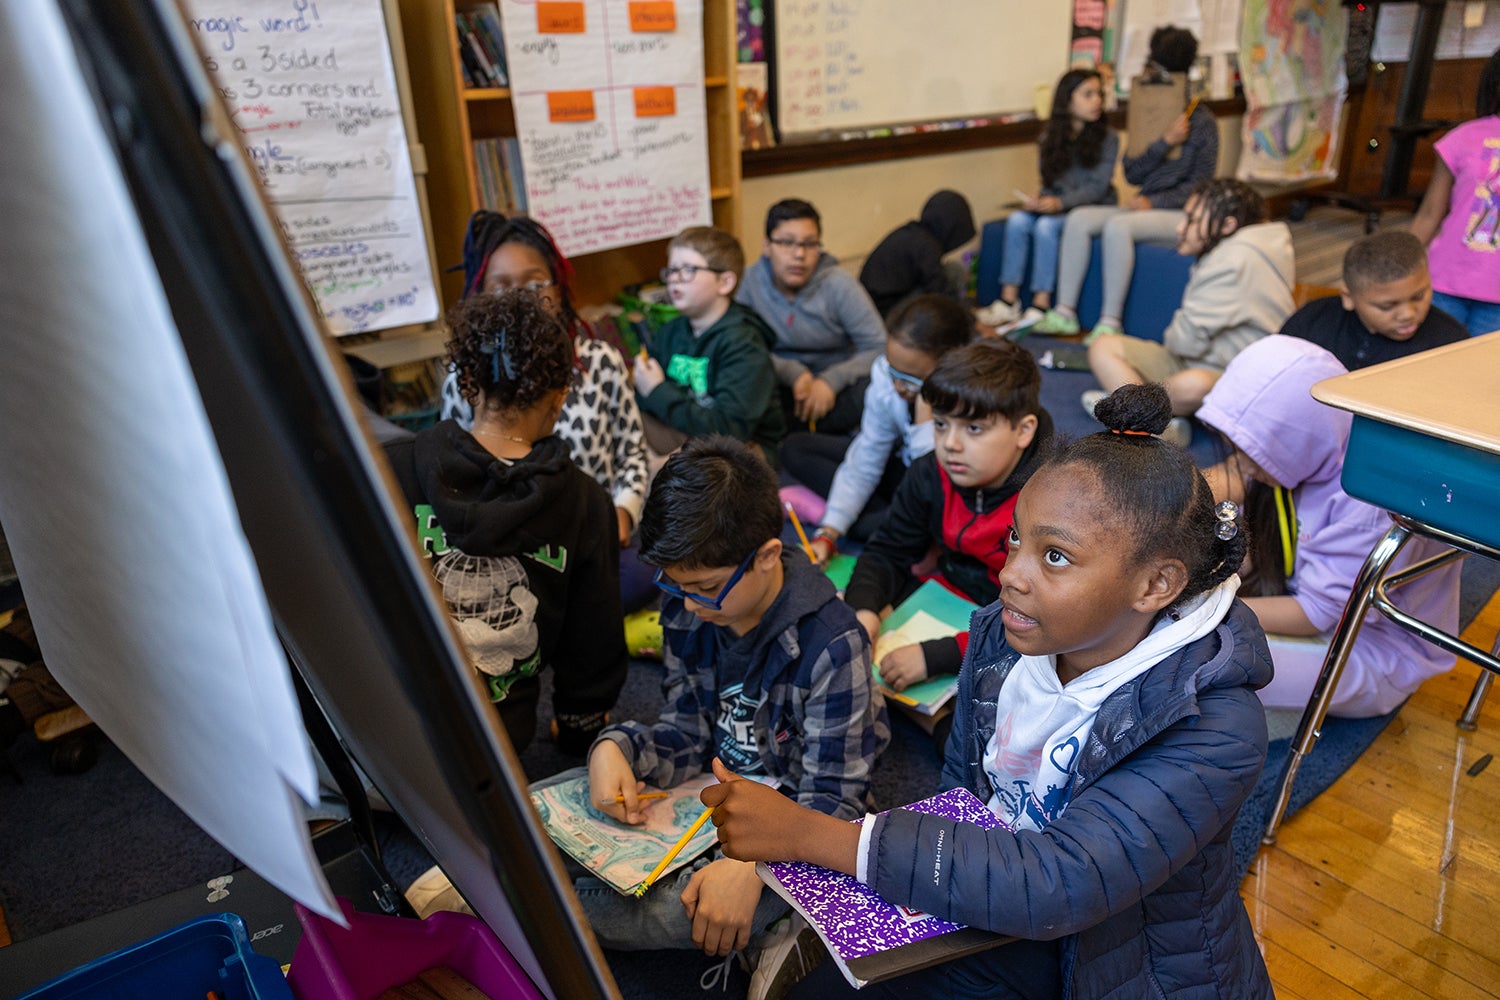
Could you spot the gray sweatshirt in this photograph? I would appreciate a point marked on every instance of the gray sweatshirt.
(1239, 292)
(829, 327)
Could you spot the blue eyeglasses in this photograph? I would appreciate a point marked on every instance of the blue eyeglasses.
(910, 381)
(712, 603)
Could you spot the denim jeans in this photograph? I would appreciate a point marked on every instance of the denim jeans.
(1034, 239)
(1476, 314)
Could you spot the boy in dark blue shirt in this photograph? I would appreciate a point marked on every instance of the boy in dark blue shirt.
(1386, 309)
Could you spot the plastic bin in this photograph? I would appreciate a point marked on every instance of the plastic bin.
(209, 953)
(377, 952)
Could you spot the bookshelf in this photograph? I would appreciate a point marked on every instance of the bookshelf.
(450, 116)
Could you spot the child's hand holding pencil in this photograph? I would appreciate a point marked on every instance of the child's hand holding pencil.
(613, 786)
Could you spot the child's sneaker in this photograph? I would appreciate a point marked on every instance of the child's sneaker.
(643, 635)
(1090, 399)
(1057, 324)
(791, 950)
(1021, 327)
(998, 313)
(1102, 330)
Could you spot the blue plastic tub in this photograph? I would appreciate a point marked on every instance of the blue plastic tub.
(184, 963)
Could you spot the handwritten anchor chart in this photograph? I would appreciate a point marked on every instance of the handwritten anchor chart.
(609, 108)
(313, 92)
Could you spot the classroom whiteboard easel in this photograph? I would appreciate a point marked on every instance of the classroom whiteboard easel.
(312, 89)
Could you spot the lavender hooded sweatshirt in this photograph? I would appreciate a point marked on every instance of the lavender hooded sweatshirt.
(1264, 405)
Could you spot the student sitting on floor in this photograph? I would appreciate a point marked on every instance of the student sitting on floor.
(765, 667)
(522, 543)
(599, 422)
(1240, 290)
(1106, 713)
(989, 434)
(909, 261)
(709, 370)
(1303, 570)
(1386, 309)
(827, 330)
(860, 478)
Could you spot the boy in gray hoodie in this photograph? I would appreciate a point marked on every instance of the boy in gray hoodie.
(828, 332)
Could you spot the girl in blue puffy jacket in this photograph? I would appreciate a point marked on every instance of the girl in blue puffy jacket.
(1106, 714)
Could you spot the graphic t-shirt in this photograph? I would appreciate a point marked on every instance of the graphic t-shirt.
(734, 723)
(1465, 254)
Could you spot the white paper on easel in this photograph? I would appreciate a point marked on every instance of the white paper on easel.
(312, 90)
(141, 586)
(610, 114)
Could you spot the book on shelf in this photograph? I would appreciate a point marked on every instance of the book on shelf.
(497, 168)
(931, 612)
(486, 21)
(869, 937)
(482, 54)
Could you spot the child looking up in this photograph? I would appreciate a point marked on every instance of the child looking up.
(1282, 437)
(522, 543)
(764, 667)
(1386, 309)
(1459, 218)
(860, 477)
(1240, 290)
(1106, 713)
(828, 332)
(717, 377)
(600, 422)
(1166, 173)
(989, 434)
(1077, 159)
(909, 261)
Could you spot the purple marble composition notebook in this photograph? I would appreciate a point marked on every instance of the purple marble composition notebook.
(870, 938)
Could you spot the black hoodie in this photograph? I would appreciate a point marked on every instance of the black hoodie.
(910, 260)
(527, 557)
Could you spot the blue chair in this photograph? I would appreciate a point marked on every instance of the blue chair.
(1156, 287)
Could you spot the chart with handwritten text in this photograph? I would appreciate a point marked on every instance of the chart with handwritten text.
(609, 106)
(313, 92)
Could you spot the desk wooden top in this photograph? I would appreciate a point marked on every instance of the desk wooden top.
(1450, 392)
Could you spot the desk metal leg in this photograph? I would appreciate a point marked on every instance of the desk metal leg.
(1469, 721)
(1333, 667)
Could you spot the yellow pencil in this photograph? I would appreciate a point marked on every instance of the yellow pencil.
(801, 535)
(1192, 106)
(642, 797)
(682, 842)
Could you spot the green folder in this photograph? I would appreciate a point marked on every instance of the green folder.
(930, 612)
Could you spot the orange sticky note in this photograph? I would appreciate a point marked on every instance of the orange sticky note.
(570, 105)
(653, 15)
(560, 17)
(655, 102)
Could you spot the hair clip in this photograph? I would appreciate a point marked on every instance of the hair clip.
(499, 354)
(1226, 512)
(1130, 433)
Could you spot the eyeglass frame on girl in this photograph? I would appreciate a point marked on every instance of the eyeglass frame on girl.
(712, 603)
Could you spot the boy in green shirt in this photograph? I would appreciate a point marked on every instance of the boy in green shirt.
(709, 370)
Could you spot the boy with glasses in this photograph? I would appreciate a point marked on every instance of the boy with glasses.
(765, 668)
(709, 370)
(827, 330)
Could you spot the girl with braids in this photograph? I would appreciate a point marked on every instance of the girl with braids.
(1282, 438)
(1240, 290)
(1077, 159)
(521, 542)
(600, 422)
(1106, 713)
(1459, 218)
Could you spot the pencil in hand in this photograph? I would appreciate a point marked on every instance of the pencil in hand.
(642, 797)
(801, 535)
(682, 842)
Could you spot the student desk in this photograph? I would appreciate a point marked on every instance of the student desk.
(1425, 446)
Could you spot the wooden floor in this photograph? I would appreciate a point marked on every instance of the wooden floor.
(1385, 885)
